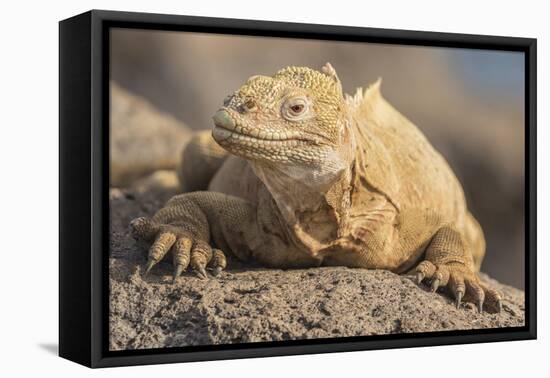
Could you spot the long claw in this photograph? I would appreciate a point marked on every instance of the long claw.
(177, 272)
(150, 264)
(499, 306)
(201, 273)
(459, 296)
(480, 306)
(435, 285)
(419, 277)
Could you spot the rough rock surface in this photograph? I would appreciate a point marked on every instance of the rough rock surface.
(143, 139)
(250, 304)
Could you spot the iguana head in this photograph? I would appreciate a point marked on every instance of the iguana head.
(294, 118)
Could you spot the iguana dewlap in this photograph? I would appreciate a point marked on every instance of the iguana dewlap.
(309, 176)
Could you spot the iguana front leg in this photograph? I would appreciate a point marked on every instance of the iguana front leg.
(189, 224)
(448, 262)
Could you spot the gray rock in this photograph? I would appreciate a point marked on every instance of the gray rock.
(250, 303)
(143, 139)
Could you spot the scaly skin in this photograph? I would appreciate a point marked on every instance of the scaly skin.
(315, 177)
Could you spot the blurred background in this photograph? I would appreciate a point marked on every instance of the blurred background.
(469, 103)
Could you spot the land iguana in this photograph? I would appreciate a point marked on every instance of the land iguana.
(309, 176)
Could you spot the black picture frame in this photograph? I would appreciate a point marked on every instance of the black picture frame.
(84, 185)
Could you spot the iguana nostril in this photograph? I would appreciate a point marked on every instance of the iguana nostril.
(223, 119)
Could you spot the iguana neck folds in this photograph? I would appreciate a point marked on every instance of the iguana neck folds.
(313, 200)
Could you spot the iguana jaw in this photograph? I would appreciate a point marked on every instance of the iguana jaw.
(240, 138)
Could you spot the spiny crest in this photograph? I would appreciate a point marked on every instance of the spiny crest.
(328, 70)
(362, 97)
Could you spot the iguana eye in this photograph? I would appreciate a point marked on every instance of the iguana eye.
(250, 105)
(295, 109)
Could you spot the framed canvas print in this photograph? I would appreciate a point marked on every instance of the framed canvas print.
(234, 188)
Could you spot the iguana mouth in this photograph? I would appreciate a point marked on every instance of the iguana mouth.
(227, 130)
(221, 134)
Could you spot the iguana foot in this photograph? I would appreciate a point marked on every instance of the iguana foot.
(449, 263)
(461, 282)
(187, 251)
